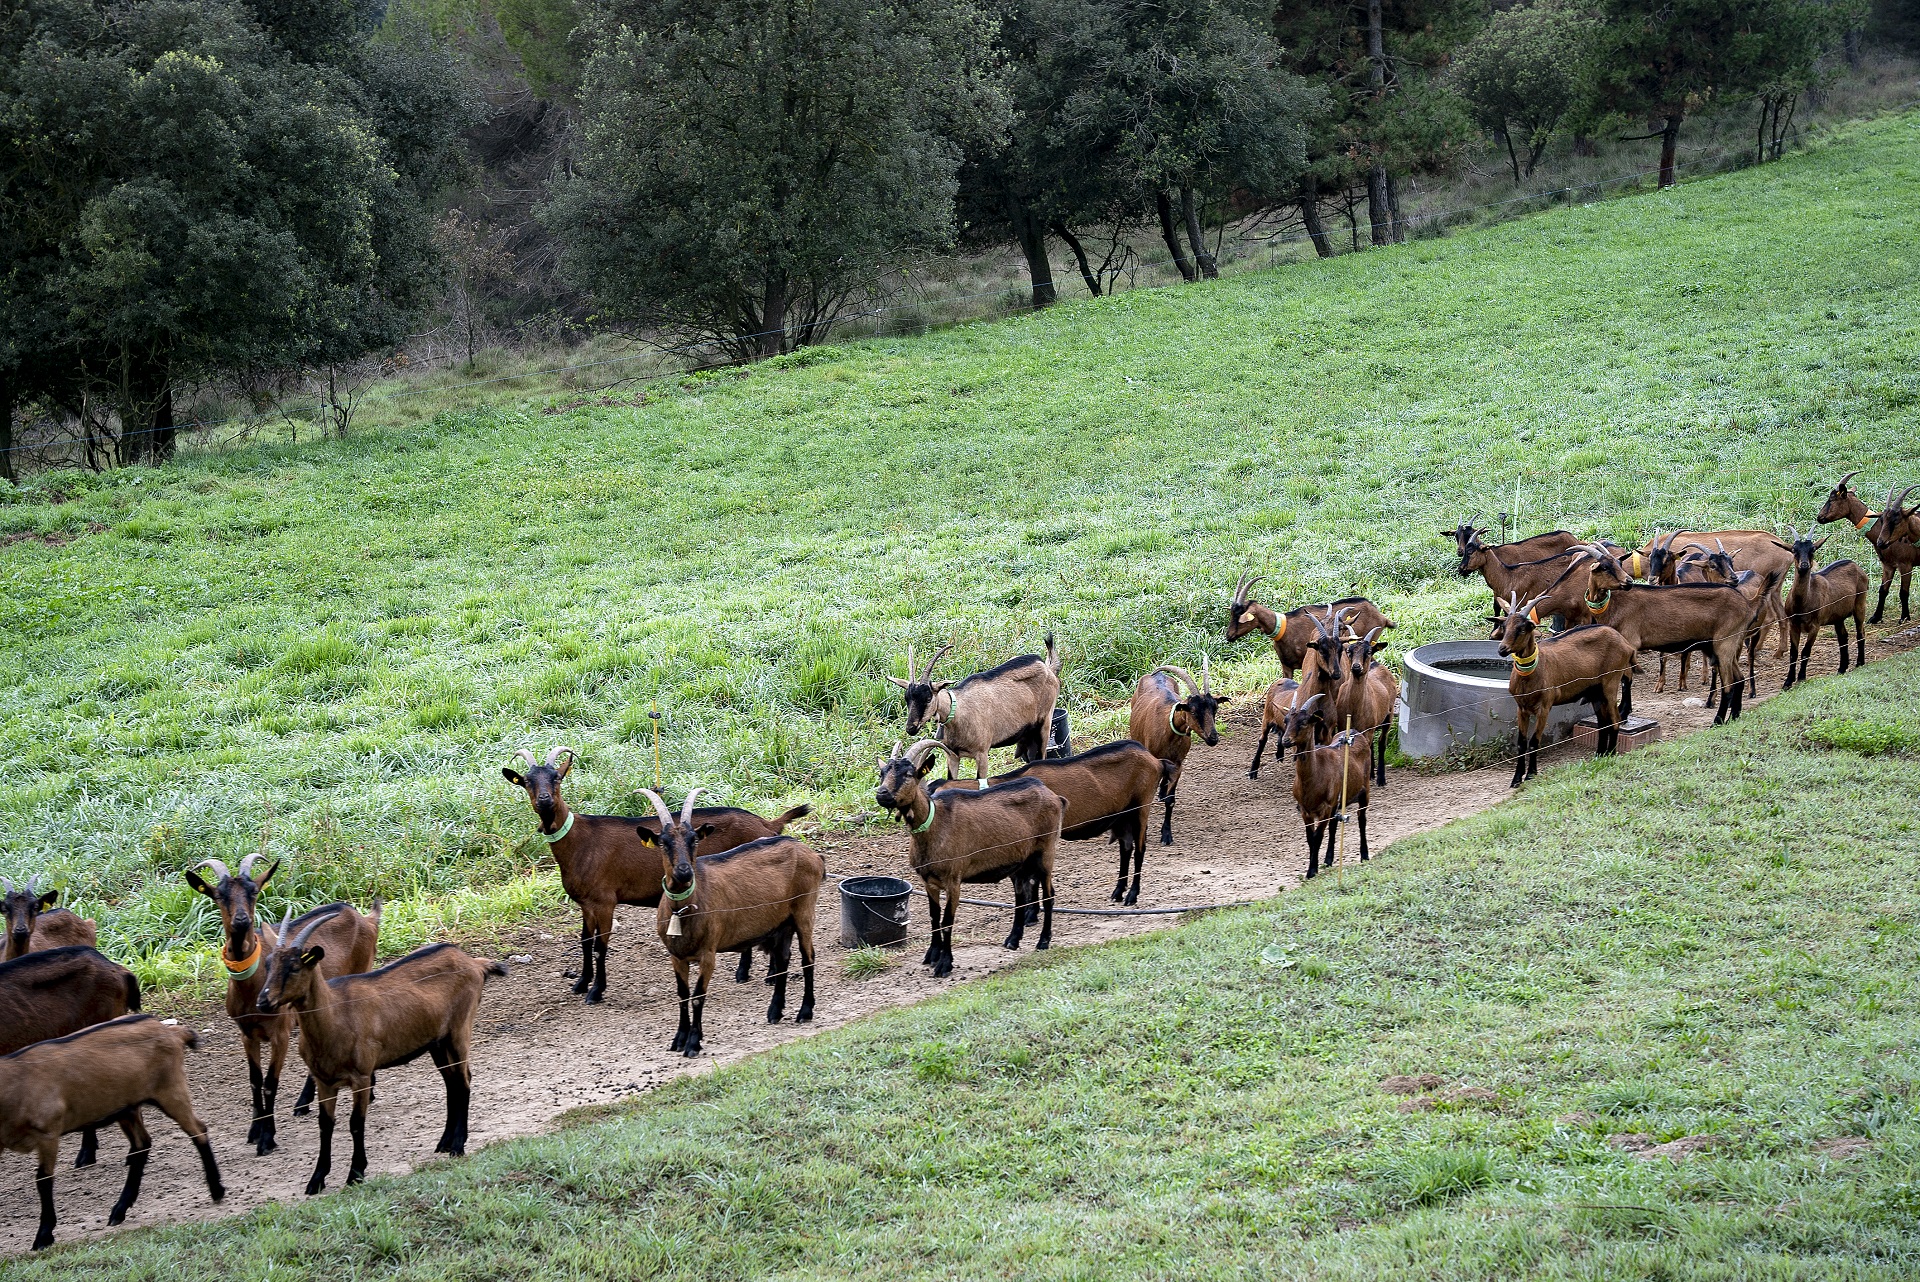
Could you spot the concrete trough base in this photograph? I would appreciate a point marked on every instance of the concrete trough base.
(1454, 694)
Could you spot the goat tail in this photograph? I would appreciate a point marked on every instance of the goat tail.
(488, 966)
(373, 914)
(1053, 657)
(786, 817)
(133, 991)
(188, 1038)
(1167, 769)
(1389, 623)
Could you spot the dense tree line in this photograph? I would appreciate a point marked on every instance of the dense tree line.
(192, 189)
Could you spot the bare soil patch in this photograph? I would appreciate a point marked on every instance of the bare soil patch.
(539, 1052)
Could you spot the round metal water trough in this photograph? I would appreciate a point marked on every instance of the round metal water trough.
(873, 910)
(1454, 693)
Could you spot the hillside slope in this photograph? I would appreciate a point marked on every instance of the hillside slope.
(330, 648)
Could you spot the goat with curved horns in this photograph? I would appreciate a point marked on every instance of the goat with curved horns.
(1165, 721)
(1590, 664)
(353, 1026)
(964, 836)
(1820, 598)
(34, 924)
(760, 895)
(1011, 705)
(350, 940)
(1895, 536)
(1288, 631)
(603, 863)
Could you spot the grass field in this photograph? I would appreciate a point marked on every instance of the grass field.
(331, 648)
(1714, 938)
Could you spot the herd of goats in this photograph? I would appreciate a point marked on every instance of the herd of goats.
(724, 880)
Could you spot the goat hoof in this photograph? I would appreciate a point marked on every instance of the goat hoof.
(264, 1147)
(356, 1177)
(594, 998)
(1043, 945)
(117, 1216)
(693, 1049)
(83, 1158)
(315, 1185)
(942, 969)
(304, 1110)
(773, 1016)
(804, 1015)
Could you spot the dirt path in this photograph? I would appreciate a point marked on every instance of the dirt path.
(539, 1052)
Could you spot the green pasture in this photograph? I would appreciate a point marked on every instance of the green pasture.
(329, 649)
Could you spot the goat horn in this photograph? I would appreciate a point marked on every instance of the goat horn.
(553, 756)
(286, 922)
(1903, 495)
(927, 676)
(921, 747)
(686, 807)
(246, 865)
(1794, 530)
(896, 749)
(1848, 477)
(659, 808)
(306, 932)
(33, 884)
(521, 754)
(219, 869)
(1206, 676)
(911, 671)
(1181, 675)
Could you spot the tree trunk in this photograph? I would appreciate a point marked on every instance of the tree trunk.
(1513, 157)
(161, 446)
(1190, 214)
(773, 315)
(1850, 45)
(8, 469)
(1585, 145)
(1033, 244)
(1398, 227)
(1164, 207)
(1065, 233)
(1310, 216)
(1669, 144)
(146, 413)
(1379, 214)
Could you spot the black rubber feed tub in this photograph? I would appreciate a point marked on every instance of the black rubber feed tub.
(873, 910)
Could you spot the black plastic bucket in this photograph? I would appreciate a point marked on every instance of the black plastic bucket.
(873, 910)
(1059, 742)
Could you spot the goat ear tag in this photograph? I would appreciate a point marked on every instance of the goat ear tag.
(673, 923)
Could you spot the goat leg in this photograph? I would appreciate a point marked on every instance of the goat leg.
(357, 1127)
(267, 1139)
(1126, 857)
(304, 1104)
(1361, 813)
(1313, 848)
(933, 925)
(1840, 634)
(1046, 910)
(1519, 752)
(1886, 585)
(586, 958)
(322, 1165)
(1906, 581)
(178, 1105)
(142, 1148)
(1166, 821)
(1023, 890)
(1860, 633)
(699, 1005)
(1266, 728)
(599, 989)
(1626, 695)
(943, 960)
(685, 1029)
(49, 1151)
(805, 938)
(779, 956)
(89, 1148)
(257, 1081)
(743, 973)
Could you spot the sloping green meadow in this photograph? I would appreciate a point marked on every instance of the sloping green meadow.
(331, 648)
(1712, 938)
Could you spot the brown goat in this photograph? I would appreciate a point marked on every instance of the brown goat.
(1367, 698)
(1326, 778)
(1280, 699)
(603, 863)
(351, 942)
(1011, 705)
(1819, 598)
(1109, 793)
(1713, 617)
(1590, 663)
(352, 1026)
(1164, 723)
(101, 1074)
(1900, 535)
(1288, 631)
(964, 836)
(60, 991)
(1895, 535)
(34, 924)
(1754, 550)
(1323, 672)
(1695, 565)
(760, 895)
